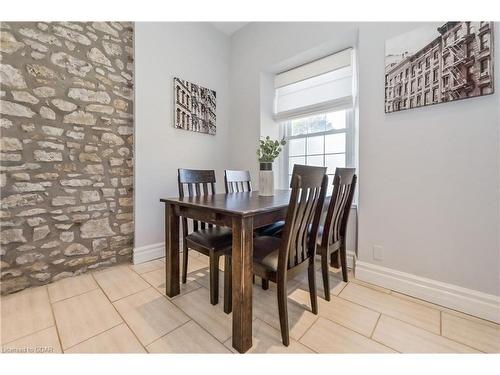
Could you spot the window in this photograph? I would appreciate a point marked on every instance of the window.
(427, 78)
(419, 82)
(314, 107)
(427, 62)
(435, 75)
(427, 97)
(435, 95)
(446, 81)
(436, 54)
(484, 66)
(419, 100)
(484, 41)
(406, 72)
(321, 139)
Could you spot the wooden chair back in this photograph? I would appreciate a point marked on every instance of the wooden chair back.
(237, 181)
(195, 183)
(309, 185)
(344, 185)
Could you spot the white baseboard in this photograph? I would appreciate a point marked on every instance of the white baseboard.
(473, 302)
(149, 252)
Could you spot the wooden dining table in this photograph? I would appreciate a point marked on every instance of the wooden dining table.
(243, 212)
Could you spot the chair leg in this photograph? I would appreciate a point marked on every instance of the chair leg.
(283, 312)
(265, 284)
(228, 287)
(326, 276)
(184, 261)
(343, 262)
(214, 279)
(312, 287)
(334, 259)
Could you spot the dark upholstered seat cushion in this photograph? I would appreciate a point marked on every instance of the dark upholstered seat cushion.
(215, 238)
(274, 229)
(266, 252)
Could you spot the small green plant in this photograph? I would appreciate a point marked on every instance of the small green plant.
(269, 150)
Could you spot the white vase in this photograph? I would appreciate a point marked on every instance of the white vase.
(266, 180)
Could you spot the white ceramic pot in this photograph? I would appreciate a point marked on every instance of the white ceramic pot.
(266, 180)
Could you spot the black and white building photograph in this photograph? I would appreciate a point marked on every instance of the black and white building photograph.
(438, 63)
(195, 107)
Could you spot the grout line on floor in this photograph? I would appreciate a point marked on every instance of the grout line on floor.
(76, 295)
(169, 332)
(55, 322)
(120, 315)
(375, 326)
(91, 337)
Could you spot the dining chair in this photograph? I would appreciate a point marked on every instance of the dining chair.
(236, 181)
(275, 258)
(212, 241)
(332, 236)
(240, 181)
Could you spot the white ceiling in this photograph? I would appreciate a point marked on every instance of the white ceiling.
(229, 28)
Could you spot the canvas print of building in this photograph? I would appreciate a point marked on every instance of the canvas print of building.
(194, 107)
(438, 63)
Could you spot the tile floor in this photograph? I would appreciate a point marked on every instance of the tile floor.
(124, 310)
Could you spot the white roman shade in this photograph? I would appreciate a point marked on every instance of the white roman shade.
(321, 85)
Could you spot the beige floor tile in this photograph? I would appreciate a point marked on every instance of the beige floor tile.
(71, 286)
(445, 309)
(265, 307)
(197, 305)
(81, 317)
(407, 338)
(24, 313)
(326, 336)
(348, 314)
(119, 339)
(41, 342)
(147, 266)
(118, 282)
(368, 285)
(189, 338)
(336, 283)
(484, 337)
(150, 315)
(266, 339)
(157, 279)
(408, 311)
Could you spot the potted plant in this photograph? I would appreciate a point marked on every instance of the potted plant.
(267, 152)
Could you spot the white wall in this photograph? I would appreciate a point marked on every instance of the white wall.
(196, 52)
(429, 177)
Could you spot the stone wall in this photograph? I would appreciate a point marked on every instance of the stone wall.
(66, 149)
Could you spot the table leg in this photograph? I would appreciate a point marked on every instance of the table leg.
(171, 251)
(242, 269)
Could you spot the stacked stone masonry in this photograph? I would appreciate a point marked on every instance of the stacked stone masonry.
(66, 163)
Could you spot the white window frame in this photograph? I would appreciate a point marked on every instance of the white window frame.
(350, 147)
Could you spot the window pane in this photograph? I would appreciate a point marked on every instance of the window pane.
(336, 120)
(298, 127)
(315, 145)
(334, 161)
(335, 143)
(316, 124)
(295, 160)
(317, 161)
(297, 147)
